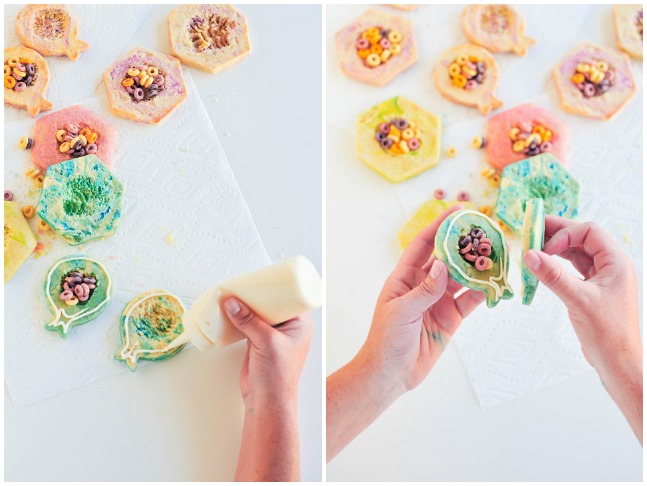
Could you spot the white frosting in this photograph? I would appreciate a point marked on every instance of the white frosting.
(60, 314)
(130, 352)
(492, 281)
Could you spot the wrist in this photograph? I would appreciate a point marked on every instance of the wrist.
(272, 399)
(383, 385)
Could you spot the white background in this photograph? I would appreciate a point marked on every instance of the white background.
(569, 431)
(181, 421)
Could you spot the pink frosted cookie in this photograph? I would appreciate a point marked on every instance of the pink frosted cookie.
(145, 86)
(376, 47)
(70, 133)
(594, 81)
(468, 74)
(498, 28)
(524, 131)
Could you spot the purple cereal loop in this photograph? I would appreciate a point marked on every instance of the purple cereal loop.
(386, 143)
(70, 152)
(91, 148)
(158, 80)
(20, 86)
(385, 128)
(379, 136)
(138, 93)
(8, 195)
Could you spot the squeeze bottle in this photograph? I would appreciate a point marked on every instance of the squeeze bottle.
(276, 294)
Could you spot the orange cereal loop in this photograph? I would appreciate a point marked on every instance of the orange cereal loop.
(28, 211)
(42, 225)
(363, 53)
(92, 137)
(474, 58)
(376, 49)
(85, 132)
(459, 80)
(372, 31)
(578, 78)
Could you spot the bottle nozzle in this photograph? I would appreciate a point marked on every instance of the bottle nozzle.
(179, 341)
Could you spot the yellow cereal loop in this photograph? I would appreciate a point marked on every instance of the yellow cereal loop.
(133, 72)
(7, 70)
(73, 141)
(487, 210)
(451, 152)
(38, 180)
(372, 32)
(514, 133)
(13, 61)
(404, 147)
(28, 211)
(386, 54)
(583, 67)
(60, 134)
(395, 49)
(373, 60)
(394, 131)
(152, 71)
(518, 146)
(42, 225)
(19, 73)
(128, 82)
(602, 66)
(407, 133)
(148, 82)
(84, 140)
(547, 136)
(9, 82)
(469, 73)
(72, 301)
(22, 144)
(462, 59)
(454, 69)
(64, 147)
(395, 36)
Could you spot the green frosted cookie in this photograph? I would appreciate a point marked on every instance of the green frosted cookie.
(532, 239)
(81, 200)
(474, 249)
(149, 323)
(77, 289)
(541, 176)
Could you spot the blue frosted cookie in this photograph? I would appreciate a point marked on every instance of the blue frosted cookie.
(541, 176)
(532, 239)
(81, 200)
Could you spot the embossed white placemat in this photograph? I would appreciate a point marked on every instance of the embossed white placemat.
(185, 227)
(513, 350)
(107, 28)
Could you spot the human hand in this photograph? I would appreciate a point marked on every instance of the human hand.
(275, 354)
(602, 305)
(416, 314)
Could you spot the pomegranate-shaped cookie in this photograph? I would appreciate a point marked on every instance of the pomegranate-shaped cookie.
(26, 77)
(145, 86)
(71, 133)
(525, 131)
(208, 37)
(594, 81)
(498, 28)
(376, 47)
(50, 30)
(468, 74)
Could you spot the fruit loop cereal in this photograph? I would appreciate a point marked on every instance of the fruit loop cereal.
(376, 45)
(398, 136)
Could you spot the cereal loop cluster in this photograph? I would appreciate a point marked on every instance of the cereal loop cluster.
(531, 139)
(375, 46)
(143, 82)
(77, 287)
(476, 249)
(77, 140)
(593, 79)
(467, 72)
(398, 136)
(19, 73)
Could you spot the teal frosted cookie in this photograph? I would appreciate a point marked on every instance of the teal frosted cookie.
(541, 177)
(474, 249)
(81, 200)
(77, 289)
(532, 239)
(149, 323)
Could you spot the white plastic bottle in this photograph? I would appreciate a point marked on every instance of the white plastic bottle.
(276, 294)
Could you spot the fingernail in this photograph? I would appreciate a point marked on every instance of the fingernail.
(532, 260)
(231, 306)
(436, 268)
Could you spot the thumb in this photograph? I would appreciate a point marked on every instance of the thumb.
(429, 291)
(549, 272)
(246, 321)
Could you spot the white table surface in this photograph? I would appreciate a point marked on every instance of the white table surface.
(570, 431)
(182, 420)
